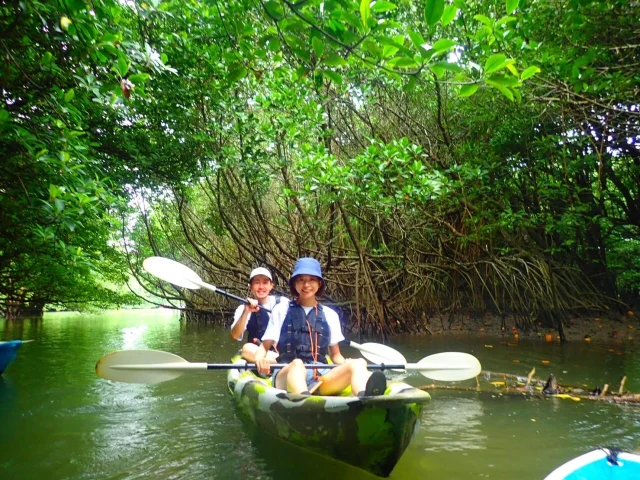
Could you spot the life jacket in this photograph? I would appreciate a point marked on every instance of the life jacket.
(257, 324)
(304, 336)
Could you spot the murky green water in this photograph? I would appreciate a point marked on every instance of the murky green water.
(58, 420)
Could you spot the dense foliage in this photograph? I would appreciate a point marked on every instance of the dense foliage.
(439, 157)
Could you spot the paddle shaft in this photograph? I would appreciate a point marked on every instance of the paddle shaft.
(213, 288)
(252, 366)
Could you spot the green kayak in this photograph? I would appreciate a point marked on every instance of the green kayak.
(369, 433)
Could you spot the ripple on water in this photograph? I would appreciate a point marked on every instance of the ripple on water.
(453, 424)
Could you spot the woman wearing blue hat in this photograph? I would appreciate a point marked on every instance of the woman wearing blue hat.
(306, 332)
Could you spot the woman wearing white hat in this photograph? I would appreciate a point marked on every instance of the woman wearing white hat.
(306, 332)
(252, 319)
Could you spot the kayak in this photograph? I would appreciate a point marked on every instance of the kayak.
(8, 353)
(602, 464)
(370, 433)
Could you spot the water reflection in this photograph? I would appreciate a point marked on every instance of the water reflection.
(283, 461)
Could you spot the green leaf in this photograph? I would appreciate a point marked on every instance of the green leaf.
(401, 62)
(274, 9)
(433, 11)
(505, 20)
(365, 12)
(302, 72)
(372, 47)
(333, 76)
(440, 67)
(59, 204)
(389, 51)
(504, 90)
(529, 72)
(47, 58)
(333, 60)
(468, 90)
(111, 38)
(139, 78)
(449, 14)
(511, 6)
(504, 80)
(75, 5)
(410, 85)
(443, 44)
(303, 54)
(517, 94)
(416, 38)
(4, 115)
(54, 191)
(382, 6)
(70, 225)
(484, 19)
(317, 78)
(123, 65)
(437, 69)
(318, 46)
(237, 73)
(495, 62)
(69, 95)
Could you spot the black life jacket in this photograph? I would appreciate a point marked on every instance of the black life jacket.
(299, 331)
(257, 324)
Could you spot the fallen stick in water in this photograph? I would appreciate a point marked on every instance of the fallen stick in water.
(510, 384)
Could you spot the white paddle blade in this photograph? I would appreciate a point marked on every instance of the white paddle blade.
(448, 366)
(378, 353)
(116, 366)
(172, 272)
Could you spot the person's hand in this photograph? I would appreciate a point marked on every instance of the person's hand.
(263, 365)
(252, 306)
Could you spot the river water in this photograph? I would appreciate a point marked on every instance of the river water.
(58, 420)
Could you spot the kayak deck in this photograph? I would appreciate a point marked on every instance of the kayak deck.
(369, 433)
(8, 353)
(602, 464)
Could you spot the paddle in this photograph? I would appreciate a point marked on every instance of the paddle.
(378, 353)
(154, 366)
(182, 276)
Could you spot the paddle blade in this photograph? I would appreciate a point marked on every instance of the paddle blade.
(378, 353)
(449, 366)
(107, 366)
(172, 272)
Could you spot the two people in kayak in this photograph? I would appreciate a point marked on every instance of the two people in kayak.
(307, 332)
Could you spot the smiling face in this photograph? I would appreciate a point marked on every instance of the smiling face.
(307, 286)
(260, 287)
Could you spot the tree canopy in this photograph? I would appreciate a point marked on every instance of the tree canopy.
(438, 157)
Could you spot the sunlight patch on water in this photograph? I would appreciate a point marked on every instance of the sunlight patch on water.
(132, 337)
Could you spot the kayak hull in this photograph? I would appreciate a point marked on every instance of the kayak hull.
(369, 433)
(8, 353)
(602, 464)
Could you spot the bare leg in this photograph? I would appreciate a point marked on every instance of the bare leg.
(293, 377)
(249, 353)
(352, 372)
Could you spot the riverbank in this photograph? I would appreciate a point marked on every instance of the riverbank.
(626, 328)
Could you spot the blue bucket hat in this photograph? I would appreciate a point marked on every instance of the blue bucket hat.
(306, 266)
